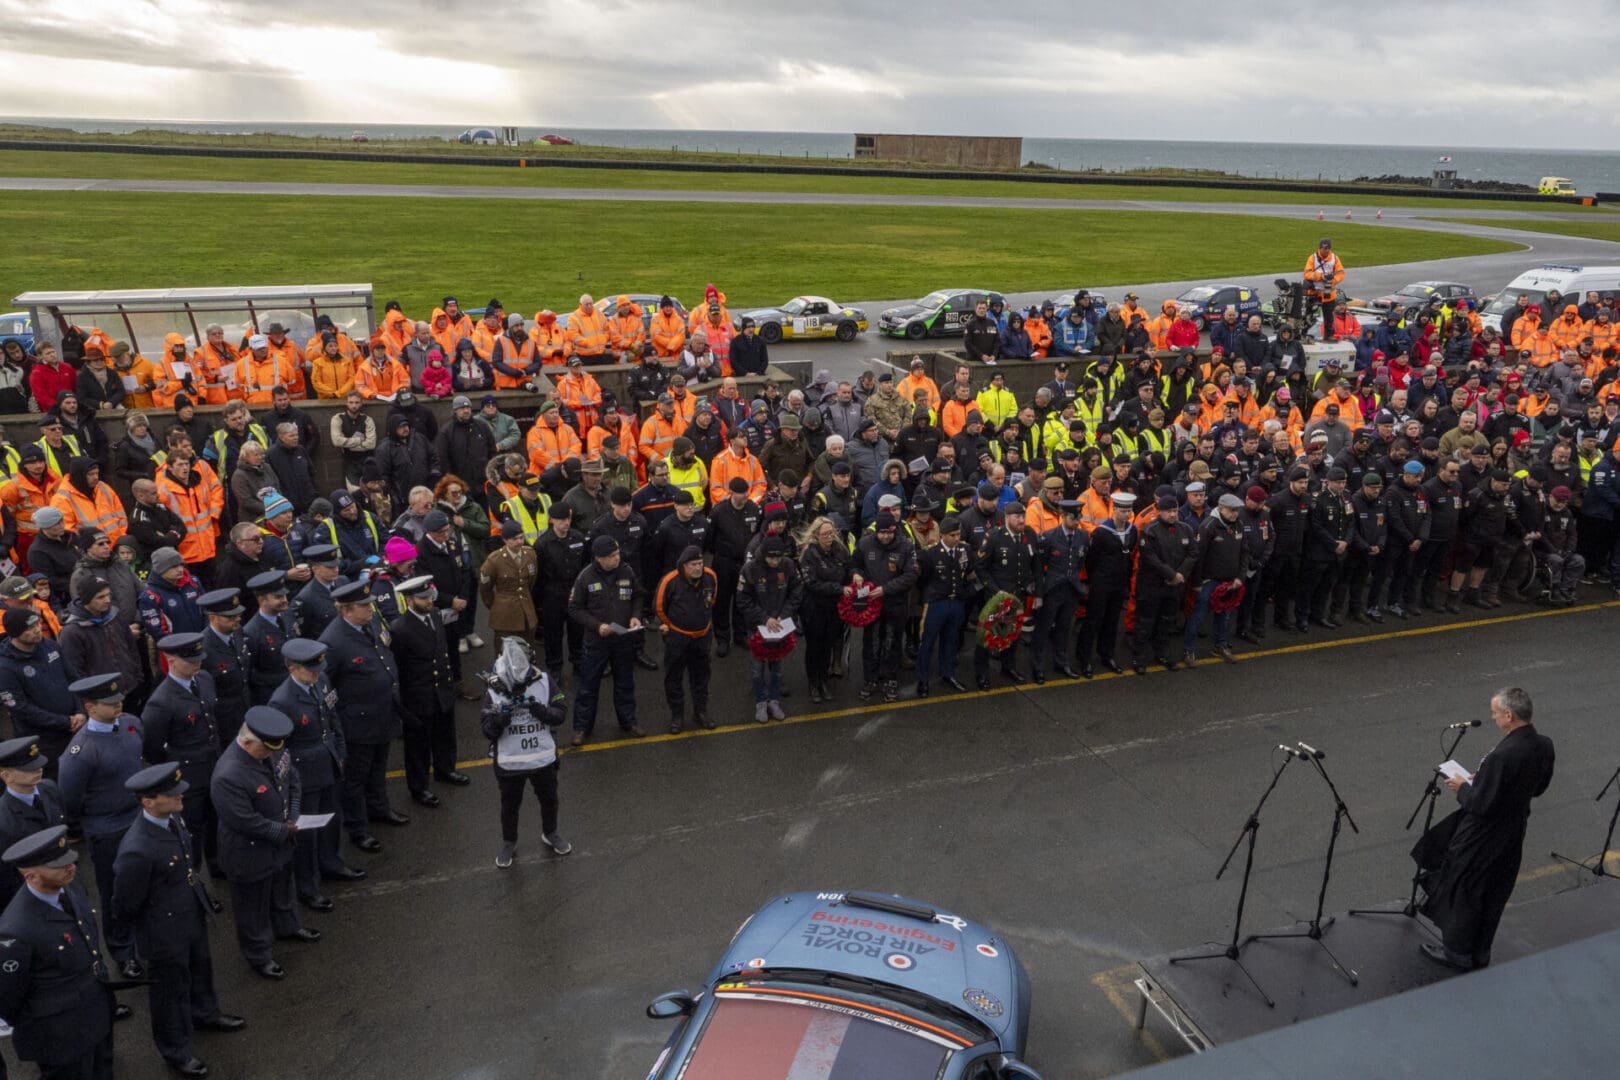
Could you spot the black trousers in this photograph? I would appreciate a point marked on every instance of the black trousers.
(1392, 581)
(1428, 564)
(181, 994)
(430, 746)
(264, 911)
(1054, 620)
(728, 572)
(315, 851)
(1155, 620)
(544, 782)
(1104, 606)
(1354, 581)
(1281, 584)
(120, 938)
(1316, 583)
(197, 811)
(97, 1063)
(556, 628)
(883, 641)
(365, 785)
(686, 658)
(601, 654)
(822, 626)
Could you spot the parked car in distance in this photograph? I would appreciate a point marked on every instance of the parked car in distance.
(942, 313)
(805, 317)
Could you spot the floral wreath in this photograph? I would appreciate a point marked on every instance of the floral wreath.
(858, 609)
(1226, 597)
(1001, 620)
(771, 650)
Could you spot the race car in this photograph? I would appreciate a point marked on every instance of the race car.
(840, 985)
(805, 317)
(1417, 295)
(1207, 302)
(942, 313)
(16, 324)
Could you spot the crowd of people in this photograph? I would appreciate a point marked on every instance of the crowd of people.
(207, 659)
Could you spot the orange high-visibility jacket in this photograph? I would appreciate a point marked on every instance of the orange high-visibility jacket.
(332, 378)
(212, 364)
(549, 445)
(912, 383)
(198, 506)
(587, 335)
(22, 497)
(550, 341)
(626, 330)
(726, 465)
(519, 356)
(390, 378)
(102, 513)
(1324, 275)
(668, 334)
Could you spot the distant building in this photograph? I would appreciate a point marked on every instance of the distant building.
(984, 151)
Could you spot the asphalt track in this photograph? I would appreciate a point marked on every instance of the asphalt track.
(1487, 273)
(1084, 820)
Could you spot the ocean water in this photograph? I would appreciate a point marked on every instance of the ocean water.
(1591, 170)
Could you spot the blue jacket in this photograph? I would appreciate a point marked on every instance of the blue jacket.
(34, 686)
(357, 540)
(157, 890)
(1069, 339)
(170, 609)
(1225, 336)
(1392, 339)
(93, 772)
(1015, 344)
(1603, 489)
(254, 801)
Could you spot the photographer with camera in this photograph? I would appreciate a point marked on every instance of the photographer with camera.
(1323, 273)
(517, 716)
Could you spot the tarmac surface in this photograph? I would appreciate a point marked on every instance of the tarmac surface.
(1083, 820)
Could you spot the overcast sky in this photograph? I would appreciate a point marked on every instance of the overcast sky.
(1485, 73)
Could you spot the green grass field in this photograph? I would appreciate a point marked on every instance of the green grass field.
(1591, 229)
(152, 167)
(544, 253)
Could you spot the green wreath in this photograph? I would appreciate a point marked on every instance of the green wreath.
(1001, 620)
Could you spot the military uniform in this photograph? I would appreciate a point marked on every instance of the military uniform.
(1109, 559)
(99, 759)
(159, 892)
(366, 678)
(601, 597)
(1005, 562)
(506, 587)
(1060, 557)
(944, 586)
(428, 696)
(54, 989)
(314, 607)
(34, 690)
(181, 722)
(1331, 522)
(256, 801)
(21, 815)
(1166, 550)
(229, 663)
(317, 748)
(264, 635)
(559, 559)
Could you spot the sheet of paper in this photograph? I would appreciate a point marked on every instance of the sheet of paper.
(618, 629)
(1451, 770)
(312, 821)
(131, 383)
(786, 626)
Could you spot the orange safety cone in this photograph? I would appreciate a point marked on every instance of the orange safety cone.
(1347, 215)
(1379, 216)
(1319, 215)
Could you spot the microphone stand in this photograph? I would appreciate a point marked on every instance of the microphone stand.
(1234, 948)
(1431, 793)
(1598, 867)
(1313, 931)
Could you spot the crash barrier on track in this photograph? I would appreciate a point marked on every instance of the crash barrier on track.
(22, 428)
(1036, 177)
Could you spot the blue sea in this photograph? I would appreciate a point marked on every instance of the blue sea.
(1591, 170)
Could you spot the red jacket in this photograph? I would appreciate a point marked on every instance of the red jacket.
(1183, 334)
(46, 382)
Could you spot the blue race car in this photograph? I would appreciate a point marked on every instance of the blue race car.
(16, 324)
(840, 986)
(1205, 303)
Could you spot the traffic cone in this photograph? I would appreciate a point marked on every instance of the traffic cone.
(1347, 215)
(1319, 215)
(1379, 216)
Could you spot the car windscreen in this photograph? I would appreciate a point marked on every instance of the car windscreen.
(793, 307)
(781, 1035)
(934, 299)
(1193, 296)
(1509, 297)
(1417, 292)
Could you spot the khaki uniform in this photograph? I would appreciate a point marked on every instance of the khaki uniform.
(506, 586)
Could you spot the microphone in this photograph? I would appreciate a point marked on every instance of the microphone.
(1306, 750)
(1289, 750)
(1462, 724)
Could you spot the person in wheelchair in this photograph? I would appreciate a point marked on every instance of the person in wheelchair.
(1556, 550)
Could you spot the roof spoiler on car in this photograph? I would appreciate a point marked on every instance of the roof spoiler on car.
(892, 904)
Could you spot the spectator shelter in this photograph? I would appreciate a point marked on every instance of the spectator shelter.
(143, 316)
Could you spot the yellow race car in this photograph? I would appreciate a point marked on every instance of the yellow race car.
(805, 317)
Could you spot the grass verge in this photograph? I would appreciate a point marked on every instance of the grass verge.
(112, 166)
(1591, 229)
(544, 253)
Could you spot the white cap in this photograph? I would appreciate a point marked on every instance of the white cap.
(258, 341)
(1123, 498)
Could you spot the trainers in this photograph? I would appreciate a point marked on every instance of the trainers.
(1225, 653)
(1189, 658)
(761, 712)
(474, 640)
(463, 647)
(774, 708)
(557, 843)
(891, 691)
(867, 690)
(503, 858)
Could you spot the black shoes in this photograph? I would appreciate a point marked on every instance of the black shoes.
(1068, 672)
(1087, 671)
(1111, 665)
(425, 798)
(122, 1011)
(303, 933)
(272, 970)
(366, 842)
(459, 779)
(646, 662)
(345, 873)
(954, 685)
(1140, 669)
(194, 1068)
(722, 647)
(922, 689)
(701, 719)
(1039, 677)
(1445, 957)
(223, 1022)
(391, 817)
(1013, 677)
(131, 969)
(982, 684)
(317, 903)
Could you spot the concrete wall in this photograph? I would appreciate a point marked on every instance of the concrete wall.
(24, 428)
(985, 151)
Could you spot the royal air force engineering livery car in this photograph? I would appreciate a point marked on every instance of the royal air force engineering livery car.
(806, 317)
(845, 986)
(1206, 303)
(942, 313)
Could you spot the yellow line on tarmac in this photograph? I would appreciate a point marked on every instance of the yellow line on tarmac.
(1119, 985)
(1029, 688)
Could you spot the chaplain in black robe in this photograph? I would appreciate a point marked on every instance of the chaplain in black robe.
(1480, 864)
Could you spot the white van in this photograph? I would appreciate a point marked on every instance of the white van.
(1572, 283)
